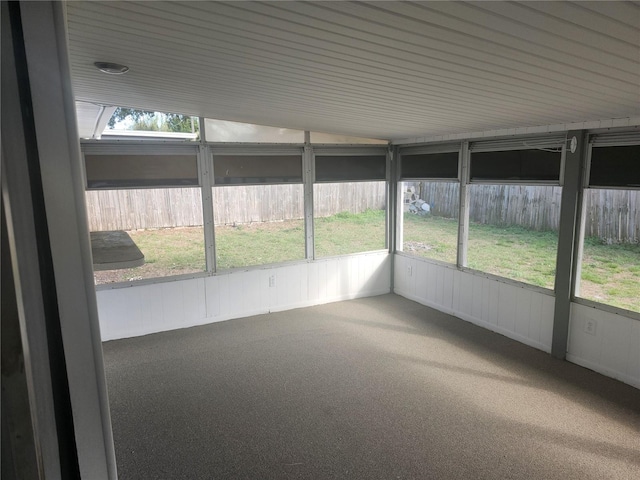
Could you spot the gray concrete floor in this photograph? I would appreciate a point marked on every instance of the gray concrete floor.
(376, 388)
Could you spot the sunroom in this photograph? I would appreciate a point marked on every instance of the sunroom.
(344, 164)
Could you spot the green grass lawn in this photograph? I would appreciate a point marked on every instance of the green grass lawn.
(167, 251)
(511, 252)
(349, 233)
(610, 273)
(259, 243)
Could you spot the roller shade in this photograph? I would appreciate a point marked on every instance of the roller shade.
(140, 171)
(350, 168)
(516, 166)
(615, 166)
(547, 142)
(429, 166)
(615, 139)
(257, 169)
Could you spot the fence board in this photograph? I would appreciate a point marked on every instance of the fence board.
(612, 215)
(181, 207)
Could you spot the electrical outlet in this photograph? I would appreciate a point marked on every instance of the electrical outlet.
(410, 270)
(590, 326)
(272, 281)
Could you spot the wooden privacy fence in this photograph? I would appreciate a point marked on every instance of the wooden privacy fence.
(180, 207)
(537, 208)
(611, 215)
(139, 209)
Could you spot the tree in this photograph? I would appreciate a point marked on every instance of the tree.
(153, 121)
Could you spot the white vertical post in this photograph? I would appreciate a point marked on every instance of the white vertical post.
(390, 202)
(398, 196)
(24, 244)
(463, 216)
(308, 178)
(205, 164)
(58, 153)
(568, 241)
(394, 210)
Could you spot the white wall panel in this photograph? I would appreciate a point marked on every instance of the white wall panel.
(523, 314)
(515, 311)
(546, 325)
(507, 307)
(477, 301)
(142, 309)
(614, 347)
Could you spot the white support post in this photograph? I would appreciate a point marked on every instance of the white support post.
(67, 283)
(308, 178)
(463, 216)
(25, 240)
(394, 209)
(398, 226)
(205, 164)
(568, 241)
(390, 201)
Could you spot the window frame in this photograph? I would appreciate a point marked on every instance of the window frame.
(148, 147)
(516, 144)
(509, 144)
(614, 139)
(431, 150)
(344, 151)
(352, 151)
(113, 149)
(448, 147)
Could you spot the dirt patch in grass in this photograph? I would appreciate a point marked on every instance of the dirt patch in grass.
(167, 252)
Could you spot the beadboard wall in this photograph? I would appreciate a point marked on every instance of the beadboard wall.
(524, 314)
(129, 311)
(612, 347)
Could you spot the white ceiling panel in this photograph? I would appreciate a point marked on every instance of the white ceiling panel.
(381, 69)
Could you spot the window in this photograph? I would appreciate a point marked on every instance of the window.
(430, 208)
(257, 169)
(258, 224)
(610, 267)
(131, 171)
(429, 166)
(131, 124)
(610, 264)
(514, 208)
(615, 166)
(516, 166)
(258, 208)
(139, 230)
(349, 217)
(349, 201)
(513, 231)
(163, 224)
(430, 213)
(223, 131)
(335, 168)
(330, 138)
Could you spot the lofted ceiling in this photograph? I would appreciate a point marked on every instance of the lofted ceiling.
(387, 70)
